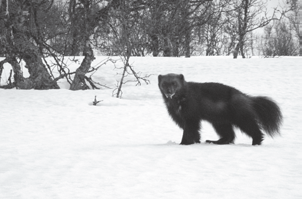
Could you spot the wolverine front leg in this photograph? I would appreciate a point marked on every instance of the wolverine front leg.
(191, 132)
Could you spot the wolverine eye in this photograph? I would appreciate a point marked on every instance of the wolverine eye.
(164, 84)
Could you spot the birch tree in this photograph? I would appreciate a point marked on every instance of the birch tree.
(246, 16)
(21, 38)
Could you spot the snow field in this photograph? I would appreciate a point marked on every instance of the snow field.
(55, 144)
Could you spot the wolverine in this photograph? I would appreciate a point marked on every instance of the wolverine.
(223, 106)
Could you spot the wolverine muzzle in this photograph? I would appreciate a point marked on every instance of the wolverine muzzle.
(169, 95)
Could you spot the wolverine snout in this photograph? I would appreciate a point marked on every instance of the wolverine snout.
(169, 95)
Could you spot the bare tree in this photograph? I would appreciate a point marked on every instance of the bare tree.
(185, 16)
(126, 15)
(295, 18)
(214, 29)
(279, 40)
(90, 18)
(246, 16)
(79, 81)
(20, 39)
(123, 35)
(171, 23)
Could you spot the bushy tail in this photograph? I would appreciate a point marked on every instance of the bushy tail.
(269, 114)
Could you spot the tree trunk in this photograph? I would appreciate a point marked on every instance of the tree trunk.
(39, 78)
(186, 28)
(1, 68)
(17, 42)
(242, 50)
(39, 75)
(243, 25)
(187, 43)
(175, 46)
(167, 48)
(236, 51)
(19, 81)
(78, 82)
(300, 42)
(241, 45)
(154, 45)
(119, 88)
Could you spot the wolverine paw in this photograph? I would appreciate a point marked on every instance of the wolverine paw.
(211, 142)
(219, 142)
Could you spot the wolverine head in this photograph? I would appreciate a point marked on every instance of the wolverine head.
(169, 84)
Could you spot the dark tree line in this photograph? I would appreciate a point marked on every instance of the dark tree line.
(31, 30)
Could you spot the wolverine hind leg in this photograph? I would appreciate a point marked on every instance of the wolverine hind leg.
(251, 128)
(226, 133)
(247, 123)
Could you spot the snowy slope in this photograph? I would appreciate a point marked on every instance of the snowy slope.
(55, 144)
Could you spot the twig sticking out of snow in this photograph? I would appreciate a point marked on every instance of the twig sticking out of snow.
(95, 102)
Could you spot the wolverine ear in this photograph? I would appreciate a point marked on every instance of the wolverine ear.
(181, 77)
(159, 77)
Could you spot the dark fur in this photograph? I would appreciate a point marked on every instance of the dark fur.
(188, 103)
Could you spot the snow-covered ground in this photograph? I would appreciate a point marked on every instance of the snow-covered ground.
(55, 144)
